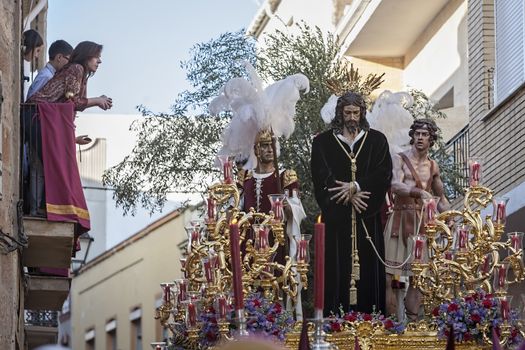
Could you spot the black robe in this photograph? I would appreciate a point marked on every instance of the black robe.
(374, 172)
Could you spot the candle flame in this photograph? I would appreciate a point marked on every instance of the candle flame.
(234, 221)
(319, 219)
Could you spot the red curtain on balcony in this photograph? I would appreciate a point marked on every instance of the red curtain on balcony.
(65, 199)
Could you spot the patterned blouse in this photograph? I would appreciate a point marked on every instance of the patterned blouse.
(69, 81)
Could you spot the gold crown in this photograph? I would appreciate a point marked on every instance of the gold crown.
(264, 136)
(350, 80)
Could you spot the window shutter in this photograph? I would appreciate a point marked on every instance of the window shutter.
(510, 60)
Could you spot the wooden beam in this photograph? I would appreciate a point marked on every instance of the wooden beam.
(50, 243)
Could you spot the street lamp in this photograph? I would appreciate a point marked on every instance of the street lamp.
(85, 243)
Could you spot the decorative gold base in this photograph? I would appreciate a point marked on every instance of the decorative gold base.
(345, 340)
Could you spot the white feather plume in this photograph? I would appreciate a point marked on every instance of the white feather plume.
(389, 115)
(254, 109)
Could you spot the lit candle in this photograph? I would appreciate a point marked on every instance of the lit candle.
(236, 267)
(418, 248)
(475, 173)
(319, 229)
(192, 314)
(222, 307)
(505, 309)
(302, 251)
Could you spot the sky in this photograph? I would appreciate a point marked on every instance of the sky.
(144, 43)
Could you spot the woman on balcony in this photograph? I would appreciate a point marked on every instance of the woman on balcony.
(70, 83)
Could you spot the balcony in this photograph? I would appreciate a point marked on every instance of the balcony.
(41, 327)
(46, 292)
(458, 150)
(50, 243)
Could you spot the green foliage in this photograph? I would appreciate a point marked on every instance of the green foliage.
(174, 152)
(314, 54)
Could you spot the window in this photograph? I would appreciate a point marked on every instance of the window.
(510, 55)
(111, 335)
(136, 328)
(89, 338)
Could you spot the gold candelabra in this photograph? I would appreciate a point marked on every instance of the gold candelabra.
(207, 266)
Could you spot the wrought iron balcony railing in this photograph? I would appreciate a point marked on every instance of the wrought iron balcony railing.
(42, 318)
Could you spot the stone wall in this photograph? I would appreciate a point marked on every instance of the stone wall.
(11, 291)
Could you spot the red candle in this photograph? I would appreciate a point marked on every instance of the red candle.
(505, 309)
(502, 275)
(263, 242)
(183, 265)
(500, 213)
(236, 267)
(463, 239)
(227, 170)
(475, 173)
(192, 314)
(195, 237)
(208, 270)
(515, 242)
(486, 264)
(302, 251)
(222, 307)
(418, 249)
(430, 210)
(449, 256)
(278, 210)
(319, 266)
(211, 209)
(167, 293)
(182, 290)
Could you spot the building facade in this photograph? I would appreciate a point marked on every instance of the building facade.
(417, 44)
(496, 41)
(114, 296)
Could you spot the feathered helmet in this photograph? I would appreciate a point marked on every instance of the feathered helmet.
(255, 109)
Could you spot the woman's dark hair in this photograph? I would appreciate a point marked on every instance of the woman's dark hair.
(350, 98)
(31, 41)
(83, 52)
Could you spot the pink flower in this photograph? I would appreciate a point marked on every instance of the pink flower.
(475, 318)
(367, 317)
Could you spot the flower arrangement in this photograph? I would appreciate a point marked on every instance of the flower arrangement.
(336, 323)
(264, 318)
(469, 315)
